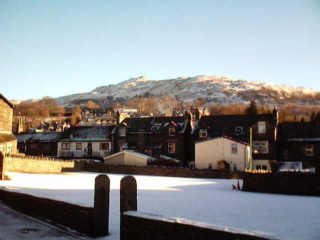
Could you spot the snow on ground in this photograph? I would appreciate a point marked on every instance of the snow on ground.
(205, 200)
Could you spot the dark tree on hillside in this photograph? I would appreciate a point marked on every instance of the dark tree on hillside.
(252, 108)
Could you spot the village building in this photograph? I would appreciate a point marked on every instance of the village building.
(160, 137)
(8, 142)
(39, 144)
(222, 153)
(263, 134)
(86, 142)
(299, 142)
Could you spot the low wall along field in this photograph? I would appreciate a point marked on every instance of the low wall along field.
(35, 165)
(157, 171)
(283, 183)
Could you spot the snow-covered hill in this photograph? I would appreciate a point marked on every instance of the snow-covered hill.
(215, 89)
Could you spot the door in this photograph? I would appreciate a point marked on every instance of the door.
(89, 149)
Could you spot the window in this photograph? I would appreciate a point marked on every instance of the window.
(105, 146)
(65, 146)
(260, 147)
(171, 147)
(234, 148)
(238, 131)
(122, 132)
(9, 148)
(262, 127)
(172, 131)
(1, 148)
(203, 133)
(78, 146)
(308, 150)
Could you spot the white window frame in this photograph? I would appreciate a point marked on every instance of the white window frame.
(122, 132)
(309, 150)
(79, 148)
(203, 133)
(171, 148)
(262, 127)
(105, 149)
(260, 147)
(9, 148)
(234, 148)
(66, 146)
(238, 131)
(172, 131)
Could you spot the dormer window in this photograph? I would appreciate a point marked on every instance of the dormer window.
(309, 150)
(261, 127)
(238, 131)
(203, 133)
(172, 131)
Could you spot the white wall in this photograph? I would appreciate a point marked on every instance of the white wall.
(215, 150)
(96, 152)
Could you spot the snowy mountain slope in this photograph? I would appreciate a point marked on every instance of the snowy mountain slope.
(215, 89)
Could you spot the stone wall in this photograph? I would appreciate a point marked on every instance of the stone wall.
(29, 164)
(284, 183)
(72, 216)
(6, 113)
(159, 171)
(143, 226)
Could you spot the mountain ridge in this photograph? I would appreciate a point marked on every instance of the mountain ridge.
(214, 89)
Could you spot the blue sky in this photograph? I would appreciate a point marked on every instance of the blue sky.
(56, 48)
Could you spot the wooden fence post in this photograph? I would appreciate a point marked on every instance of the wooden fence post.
(101, 206)
(128, 200)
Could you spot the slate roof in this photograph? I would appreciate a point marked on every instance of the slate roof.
(39, 137)
(227, 121)
(7, 101)
(88, 133)
(7, 137)
(155, 124)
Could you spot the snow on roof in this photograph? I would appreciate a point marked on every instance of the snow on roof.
(169, 158)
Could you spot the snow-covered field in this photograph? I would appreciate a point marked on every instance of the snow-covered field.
(206, 200)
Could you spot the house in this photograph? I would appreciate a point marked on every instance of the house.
(222, 151)
(8, 142)
(155, 136)
(41, 144)
(237, 127)
(128, 158)
(299, 142)
(86, 142)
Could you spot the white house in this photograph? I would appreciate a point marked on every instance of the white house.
(83, 142)
(129, 158)
(221, 150)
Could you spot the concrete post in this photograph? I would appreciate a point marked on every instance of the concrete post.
(1, 166)
(128, 200)
(101, 206)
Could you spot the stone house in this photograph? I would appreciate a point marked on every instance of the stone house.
(212, 153)
(237, 127)
(39, 144)
(86, 142)
(160, 136)
(8, 142)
